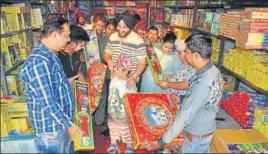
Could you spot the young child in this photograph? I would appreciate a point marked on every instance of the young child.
(117, 120)
(178, 82)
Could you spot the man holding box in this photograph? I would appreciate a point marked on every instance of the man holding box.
(50, 97)
(199, 108)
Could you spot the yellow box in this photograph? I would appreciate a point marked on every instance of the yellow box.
(20, 123)
(223, 137)
(12, 85)
(15, 9)
(5, 55)
(9, 22)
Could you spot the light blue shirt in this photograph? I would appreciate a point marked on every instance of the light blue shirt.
(199, 108)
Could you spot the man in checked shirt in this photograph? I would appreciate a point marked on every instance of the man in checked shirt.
(50, 98)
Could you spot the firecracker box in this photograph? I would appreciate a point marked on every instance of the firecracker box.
(83, 119)
(91, 49)
(154, 63)
(149, 116)
(241, 106)
(223, 138)
(96, 77)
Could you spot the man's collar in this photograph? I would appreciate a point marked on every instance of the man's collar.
(205, 68)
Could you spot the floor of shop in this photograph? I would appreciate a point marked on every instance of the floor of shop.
(102, 143)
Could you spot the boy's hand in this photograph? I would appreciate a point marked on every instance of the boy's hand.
(163, 84)
(131, 83)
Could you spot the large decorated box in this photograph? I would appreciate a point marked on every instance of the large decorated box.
(149, 115)
(83, 117)
(154, 63)
(96, 77)
(91, 49)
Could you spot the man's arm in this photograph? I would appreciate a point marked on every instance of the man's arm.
(42, 83)
(140, 68)
(107, 56)
(190, 106)
(181, 85)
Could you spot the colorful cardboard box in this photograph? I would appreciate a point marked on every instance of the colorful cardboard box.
(91, 49)
(96, 77)
(154, 63)
(149, 115)
(224, 137)
(83, 117)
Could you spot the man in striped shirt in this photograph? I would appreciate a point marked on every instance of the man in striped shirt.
(50, 98)
(128, 43)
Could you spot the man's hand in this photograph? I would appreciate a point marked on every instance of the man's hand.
(71, 79)
(163, 84)
(152, 145)
(131, 82)
(73, 131)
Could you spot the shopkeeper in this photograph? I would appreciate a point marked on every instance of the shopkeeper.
(70, 56)
(49, 94)
(199, 108)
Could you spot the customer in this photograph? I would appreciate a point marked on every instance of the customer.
(80, 17)
(117, 116)
(110, 27)
(168, 60)
(128, 43)
(70, 55)
(153, 36)
(199, 108)
(178, 83)
(50, 97)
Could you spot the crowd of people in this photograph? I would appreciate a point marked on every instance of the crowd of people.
(56, 61)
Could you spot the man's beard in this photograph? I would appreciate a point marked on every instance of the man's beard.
(82, 24)
(124, 34)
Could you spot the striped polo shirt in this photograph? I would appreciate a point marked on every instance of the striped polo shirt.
(132, 47)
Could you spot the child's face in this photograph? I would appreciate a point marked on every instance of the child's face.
(84, 109)
(119, 71)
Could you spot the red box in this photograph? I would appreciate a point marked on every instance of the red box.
(96, 77)
(149, 115)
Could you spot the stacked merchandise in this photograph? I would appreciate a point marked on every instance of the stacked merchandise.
(15, 84)
(14, 119)
(184, 18)
(209, 21)
(238, 141)
(181, 33)
(103, 3)
(241, 106)
(229, 83)
(36, 18)
(252, 65)
(229, 24)
(261, 120)
(216, 49)
(186, 3)
(246, 148)
(108, 11)
(125, 3)
(253, 32)
(170, 3)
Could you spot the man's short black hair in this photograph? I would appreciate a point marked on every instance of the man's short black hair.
(137, 17)
(111, 21)
(153, 28)
(201, 44)
(169, 38)
(78, 34)
(53, 23)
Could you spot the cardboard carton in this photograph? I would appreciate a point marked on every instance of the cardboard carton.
(149, 115)
(83, 117)
(224, 137)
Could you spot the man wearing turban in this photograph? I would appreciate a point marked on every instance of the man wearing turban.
(128, 43)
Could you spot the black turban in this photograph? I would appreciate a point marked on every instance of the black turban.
(127, 18)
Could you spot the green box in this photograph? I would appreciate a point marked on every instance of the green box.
(209, 16)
